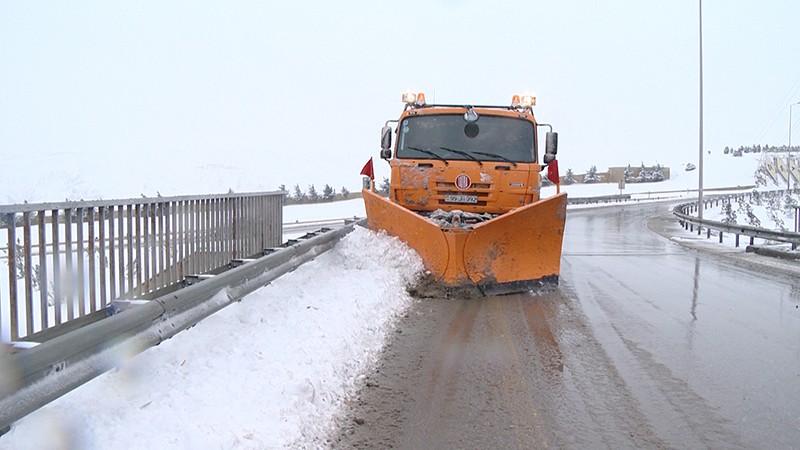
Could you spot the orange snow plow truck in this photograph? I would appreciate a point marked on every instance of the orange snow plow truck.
(465, 194)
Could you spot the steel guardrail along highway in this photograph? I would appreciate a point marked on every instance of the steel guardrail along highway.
(35, 376)
(684, 212)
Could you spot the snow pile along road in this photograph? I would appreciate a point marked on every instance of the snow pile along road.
(268, 372)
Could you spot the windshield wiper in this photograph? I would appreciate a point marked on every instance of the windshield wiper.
(460, 152)
(429, 153)
(496, 156)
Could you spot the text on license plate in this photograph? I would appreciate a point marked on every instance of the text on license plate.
(460, 198)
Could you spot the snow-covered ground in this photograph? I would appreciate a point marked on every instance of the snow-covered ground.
(268, 372)
(271, 371)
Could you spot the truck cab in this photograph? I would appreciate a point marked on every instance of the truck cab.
(478, 159)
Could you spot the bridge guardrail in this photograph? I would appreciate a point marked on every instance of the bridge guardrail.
(598, 199)
(40, 374)
(67, 261)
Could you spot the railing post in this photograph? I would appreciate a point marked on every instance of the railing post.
(101, 220)
(152, 284)
(92, 262)
(56, 266)
(11, 219)
(163, 244)
(69, 294)
(139, 285)
(42, 275)
(131, 249)
(112, 254)
(27, 261)
(796, 218)
(81, 263)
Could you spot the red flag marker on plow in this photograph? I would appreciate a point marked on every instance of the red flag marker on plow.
(552, 173)
(368, 170)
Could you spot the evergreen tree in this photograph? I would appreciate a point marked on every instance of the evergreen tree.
(345, 192)
(730, 214)
(312, 193)
(591, 175)
(299, 195)
(569, 177)
(774, 211)
(658, 173)
(760, 176)
(747, 210)
(328, 193)
(789, 205)
(384, 186)
(282, 187)
(628, 174)
(643, 175)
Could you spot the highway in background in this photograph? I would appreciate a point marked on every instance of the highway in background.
(645, 343)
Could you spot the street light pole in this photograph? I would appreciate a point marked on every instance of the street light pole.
(789, 159)
(700, 165)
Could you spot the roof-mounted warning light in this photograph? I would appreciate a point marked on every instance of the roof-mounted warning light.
(523, 102)
(413, 99)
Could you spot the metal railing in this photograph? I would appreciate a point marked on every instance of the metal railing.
(40, 374)
(298, 227)
(689, 222)
(647, 195)
(69, 260)
(598, 199)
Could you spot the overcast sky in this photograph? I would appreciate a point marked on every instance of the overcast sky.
(252, 95)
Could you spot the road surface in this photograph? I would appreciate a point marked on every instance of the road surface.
(645, 344)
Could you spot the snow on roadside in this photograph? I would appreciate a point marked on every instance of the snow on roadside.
(268, 372)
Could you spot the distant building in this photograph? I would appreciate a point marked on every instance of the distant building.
(618, 173)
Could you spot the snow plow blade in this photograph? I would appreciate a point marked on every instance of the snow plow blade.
(514, 252)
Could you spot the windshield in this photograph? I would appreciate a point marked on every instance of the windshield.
(449, 136)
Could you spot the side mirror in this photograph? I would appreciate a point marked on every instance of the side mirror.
(386, 142)
(549, 157)
(551, 144)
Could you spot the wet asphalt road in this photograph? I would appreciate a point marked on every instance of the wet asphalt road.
(645, 344)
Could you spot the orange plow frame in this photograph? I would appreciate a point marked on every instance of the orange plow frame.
(514, 252)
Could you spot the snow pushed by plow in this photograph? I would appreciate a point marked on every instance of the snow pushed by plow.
(271, 371)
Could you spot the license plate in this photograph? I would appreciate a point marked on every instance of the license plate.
(460, 198)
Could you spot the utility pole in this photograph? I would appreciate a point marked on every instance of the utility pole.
(700, 166)
(789, 158)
